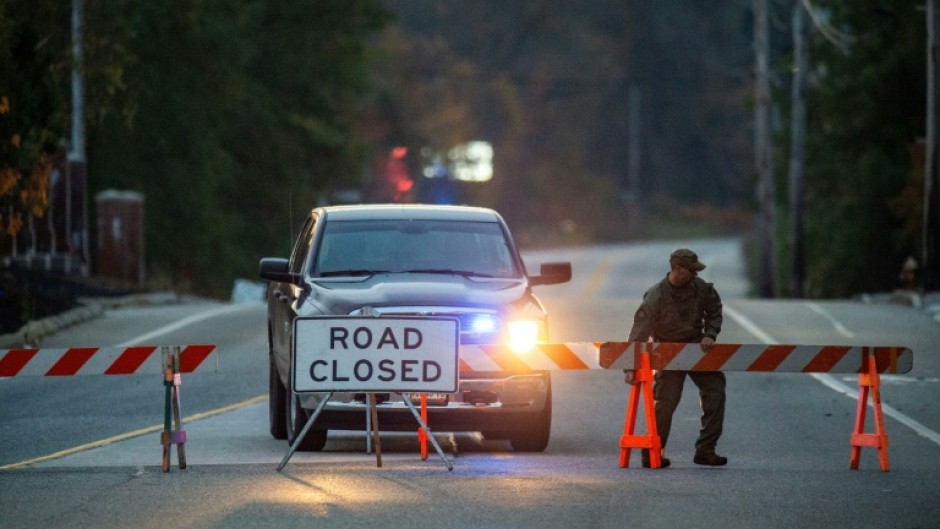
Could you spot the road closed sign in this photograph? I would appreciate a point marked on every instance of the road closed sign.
(366, 354)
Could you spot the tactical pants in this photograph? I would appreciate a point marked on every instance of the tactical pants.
(667, 390)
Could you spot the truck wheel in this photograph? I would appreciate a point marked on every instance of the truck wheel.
(295, 420)
(277, 403)
(536, 437)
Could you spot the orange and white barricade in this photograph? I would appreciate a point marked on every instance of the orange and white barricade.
(869, 362)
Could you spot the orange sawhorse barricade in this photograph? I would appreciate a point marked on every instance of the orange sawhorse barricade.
(641, 389)
(866, 361)
(869, 383)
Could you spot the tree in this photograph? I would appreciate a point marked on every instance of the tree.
(866, 109)
(240, 111)
(31, 117)
(798, 148)
(35, 66)
(763, 153)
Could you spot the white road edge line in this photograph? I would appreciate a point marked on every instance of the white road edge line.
(828, 380)
(195, 318)
(836, 324)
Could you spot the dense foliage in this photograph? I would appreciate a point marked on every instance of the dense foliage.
(233, 118)
(241, 110)
(548, 84)
(864, 198)
(31, 115)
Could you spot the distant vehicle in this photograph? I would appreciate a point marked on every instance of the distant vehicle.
(413, 260)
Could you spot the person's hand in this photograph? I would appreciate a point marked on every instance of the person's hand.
(629, 376)
(707, 343)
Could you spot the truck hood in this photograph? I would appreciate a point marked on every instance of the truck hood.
(337, 295)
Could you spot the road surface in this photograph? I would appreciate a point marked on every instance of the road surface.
(786, 435)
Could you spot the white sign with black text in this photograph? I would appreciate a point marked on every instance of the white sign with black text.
(365, 354)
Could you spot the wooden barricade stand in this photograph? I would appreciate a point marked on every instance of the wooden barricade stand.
(170, 436)
(641, 388)
(869, 382)
(374, 426)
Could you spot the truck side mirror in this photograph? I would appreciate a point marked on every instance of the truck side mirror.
(552, 274)
(277, 269)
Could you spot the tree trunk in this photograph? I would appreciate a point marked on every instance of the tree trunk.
(931, 257)
(798, 148)
(763, 151)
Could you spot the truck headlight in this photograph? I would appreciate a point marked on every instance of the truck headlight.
(523, 335)
(483, 324)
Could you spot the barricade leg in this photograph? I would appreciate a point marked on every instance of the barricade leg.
(172, 415)
(641, 389)
(376, 440)
(869, 383)
(424, 426)
(369, 423)
(422, 434)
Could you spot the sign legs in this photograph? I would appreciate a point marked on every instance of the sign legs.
(300, 436)
(374, 426)
(427, 431)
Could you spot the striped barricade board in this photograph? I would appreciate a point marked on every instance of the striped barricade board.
(687, 357)
(757, 357)
(100, 360)
(544, 356)
(492, 357)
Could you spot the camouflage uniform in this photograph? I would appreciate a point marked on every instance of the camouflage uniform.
(684, 314)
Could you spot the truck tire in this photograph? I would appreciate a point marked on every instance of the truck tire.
(277, 402)
(535, 438)
(295, 419)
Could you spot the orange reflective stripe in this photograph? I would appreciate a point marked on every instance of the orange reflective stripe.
(826, 359)
(562, 356)
(504, 358)
(664, 354)
(772, 357)
(716, 357)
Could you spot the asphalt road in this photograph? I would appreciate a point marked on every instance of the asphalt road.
(786, 435)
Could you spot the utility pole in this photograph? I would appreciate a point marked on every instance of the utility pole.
(76, 200)
(763, 151)
(633, 162)
(931, 252)
(798, 148)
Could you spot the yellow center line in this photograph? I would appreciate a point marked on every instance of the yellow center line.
(131, 435)
(597, 276)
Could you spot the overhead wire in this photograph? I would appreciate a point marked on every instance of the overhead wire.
(838, 38)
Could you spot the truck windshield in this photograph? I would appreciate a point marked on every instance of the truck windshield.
(471, 249)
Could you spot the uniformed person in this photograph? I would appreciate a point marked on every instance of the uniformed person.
(684, 308)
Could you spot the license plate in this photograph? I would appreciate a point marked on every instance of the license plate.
(434, 399)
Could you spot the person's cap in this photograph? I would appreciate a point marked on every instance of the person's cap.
(686, 259)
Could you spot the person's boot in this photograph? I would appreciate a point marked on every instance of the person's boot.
(710, 459)
(645, 459)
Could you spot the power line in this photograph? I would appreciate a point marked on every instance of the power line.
(838, 38)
